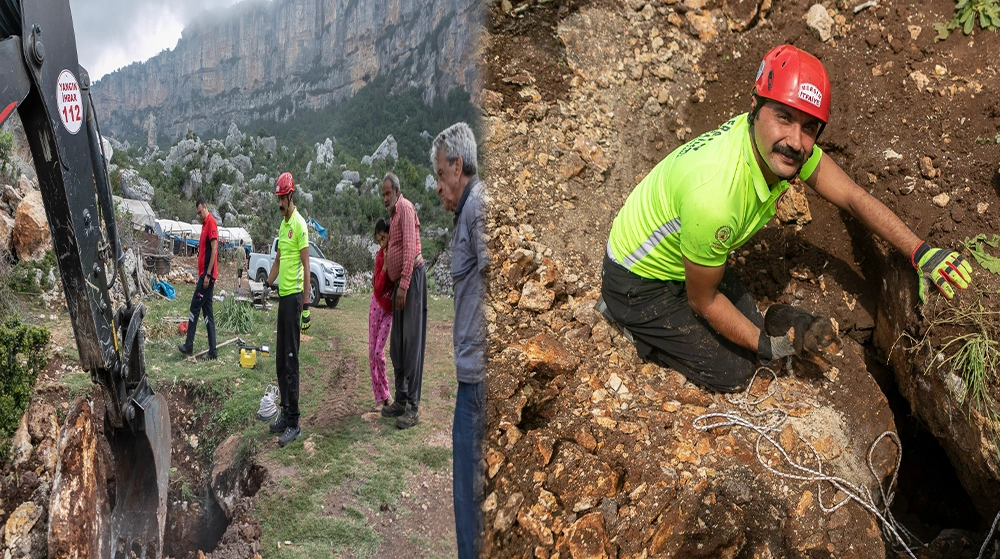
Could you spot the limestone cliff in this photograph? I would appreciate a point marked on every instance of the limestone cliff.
(266, 60)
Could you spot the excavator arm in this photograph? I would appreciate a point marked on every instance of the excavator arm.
(41, 80)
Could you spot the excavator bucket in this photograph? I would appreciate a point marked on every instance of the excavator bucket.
(142, 470)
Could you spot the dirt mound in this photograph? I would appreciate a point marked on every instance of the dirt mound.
(585, 443)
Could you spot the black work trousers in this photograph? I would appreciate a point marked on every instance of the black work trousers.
(407, 338)
(287, 355)
(201, 301)
(666, 331)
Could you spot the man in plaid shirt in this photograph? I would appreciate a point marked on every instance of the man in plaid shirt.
(406, 270)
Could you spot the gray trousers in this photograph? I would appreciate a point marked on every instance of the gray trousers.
(406, 340)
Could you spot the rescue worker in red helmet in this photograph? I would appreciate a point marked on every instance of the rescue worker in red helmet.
(290, 270)
(665, 282)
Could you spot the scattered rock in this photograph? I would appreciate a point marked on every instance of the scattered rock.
(545, 355)
(18, 531)
(820, 22)
(587, 538)
(652, 106)
(927, 169)
(792, 206)
(941, 200)
(536, 297)
(891, 155)
(920, 80)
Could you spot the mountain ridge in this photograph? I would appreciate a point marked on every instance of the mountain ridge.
(259, 60)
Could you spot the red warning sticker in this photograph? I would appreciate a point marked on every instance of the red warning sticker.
(69, 101)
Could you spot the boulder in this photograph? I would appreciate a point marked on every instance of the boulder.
(6, 231)
(243, 163)
(23, 541)
(42, 422)
(343, 186)
(225, 193)
(21, 443)
(26, 185)
(324, 153)
(234, 138)
(352, 177)
(386, 149)
(134, 186)
(11, 195)
(192, 183)
(31, 236)
(79, 511)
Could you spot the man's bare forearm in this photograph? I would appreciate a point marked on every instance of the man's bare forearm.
(727, 320)
(883, 222)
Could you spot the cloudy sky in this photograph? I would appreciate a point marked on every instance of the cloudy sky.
(114, 33)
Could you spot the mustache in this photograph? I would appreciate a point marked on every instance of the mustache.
(798, 156)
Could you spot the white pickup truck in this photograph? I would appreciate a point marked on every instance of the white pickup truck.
(327, 278)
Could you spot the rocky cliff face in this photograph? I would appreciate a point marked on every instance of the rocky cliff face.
(266, 60)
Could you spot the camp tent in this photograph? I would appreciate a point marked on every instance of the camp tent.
(139, 212)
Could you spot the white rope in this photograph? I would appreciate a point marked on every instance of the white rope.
(989, 537)
(862, 496)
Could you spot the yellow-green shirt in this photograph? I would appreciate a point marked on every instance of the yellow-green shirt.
(704, 200)
(292, 238)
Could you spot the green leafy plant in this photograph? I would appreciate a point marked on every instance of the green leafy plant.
(985, 259)
(967, 12)
(973, 354)
(237, 316)
(21, 359)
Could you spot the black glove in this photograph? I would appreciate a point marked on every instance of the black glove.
(305, 316)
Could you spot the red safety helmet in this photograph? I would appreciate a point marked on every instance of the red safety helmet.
(796, 78)
(284, 185)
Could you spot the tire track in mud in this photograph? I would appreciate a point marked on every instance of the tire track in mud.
(338, 384)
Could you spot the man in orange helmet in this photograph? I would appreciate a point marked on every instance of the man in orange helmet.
(664, 277)
(292, 261)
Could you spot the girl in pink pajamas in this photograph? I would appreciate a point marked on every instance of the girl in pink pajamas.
(380, 316)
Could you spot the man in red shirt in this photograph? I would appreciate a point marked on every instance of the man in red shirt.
(406, 270)
(208, 270)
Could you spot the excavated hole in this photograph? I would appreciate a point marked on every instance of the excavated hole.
(195, 520)
(929, 496)
(198, 524)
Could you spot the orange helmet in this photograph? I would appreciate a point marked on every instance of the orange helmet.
(796, 78)
(284, 185)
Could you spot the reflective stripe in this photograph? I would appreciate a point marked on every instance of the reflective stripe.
(654, 239)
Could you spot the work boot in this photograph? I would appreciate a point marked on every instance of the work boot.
(184, 349)
(394, 410)
(290, 434)
(409, 418)
(279, 425)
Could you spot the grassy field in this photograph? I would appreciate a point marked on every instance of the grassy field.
(353, 485)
